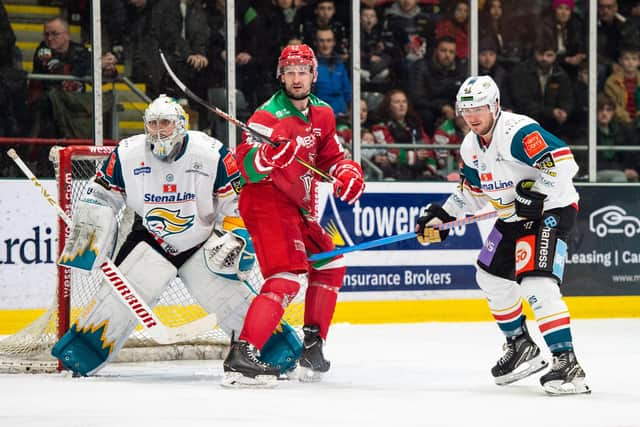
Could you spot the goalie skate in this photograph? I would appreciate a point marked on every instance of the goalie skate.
(521, 358)
(565, 377)
(243, 369)
(312, 362)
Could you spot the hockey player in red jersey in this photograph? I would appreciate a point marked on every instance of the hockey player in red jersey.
(279, 204)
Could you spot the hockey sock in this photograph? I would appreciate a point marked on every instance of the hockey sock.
(263, 316)
(552, 314)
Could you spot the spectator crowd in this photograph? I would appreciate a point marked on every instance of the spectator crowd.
(414, 56)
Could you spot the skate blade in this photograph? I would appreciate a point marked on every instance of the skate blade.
(237, 380)
(527, 368)
(307, 375)
(560, 388)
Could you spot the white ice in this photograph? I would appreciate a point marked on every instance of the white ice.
(429, 374)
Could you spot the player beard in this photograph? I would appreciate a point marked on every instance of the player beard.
(297, 97)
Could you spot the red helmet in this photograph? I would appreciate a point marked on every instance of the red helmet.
(300, 54)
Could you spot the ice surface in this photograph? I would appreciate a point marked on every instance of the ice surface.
(428, 374)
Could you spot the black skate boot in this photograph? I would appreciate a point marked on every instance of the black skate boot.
(242, 368)
(312, 362)
(521, 358)
(566, 376)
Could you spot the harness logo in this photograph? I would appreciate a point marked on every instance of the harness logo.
(164, 222)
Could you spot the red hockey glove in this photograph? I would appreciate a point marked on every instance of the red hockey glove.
(279, 155)
(349, 183)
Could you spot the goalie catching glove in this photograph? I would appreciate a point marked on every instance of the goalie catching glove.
(433, 215)
(92, 234)
(349, 183)
(529, 203)
(231, 254)
(280, 154)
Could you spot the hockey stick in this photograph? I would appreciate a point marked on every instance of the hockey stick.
(161, 333)
(235, 121)
(400, 237)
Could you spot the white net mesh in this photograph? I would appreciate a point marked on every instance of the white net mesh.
(29, 349)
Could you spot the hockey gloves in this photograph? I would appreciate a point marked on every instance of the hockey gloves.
(280, 154)
(529, 203)
(433, 215)
(349, 183)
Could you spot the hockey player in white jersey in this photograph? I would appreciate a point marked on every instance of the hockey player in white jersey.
(183, 187)
(525, 173)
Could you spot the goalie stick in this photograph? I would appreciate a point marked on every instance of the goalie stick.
(235, 121)
(400, 237)
(161, 333)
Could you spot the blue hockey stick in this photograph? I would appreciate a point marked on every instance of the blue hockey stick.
(400, 237)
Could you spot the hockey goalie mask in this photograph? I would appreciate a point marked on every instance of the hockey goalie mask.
(477, 92)
(165, 125)
(299, 56)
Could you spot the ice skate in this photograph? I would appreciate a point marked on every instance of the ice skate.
(522, 358)
(242, 368)
(312, 362)
(565, 377)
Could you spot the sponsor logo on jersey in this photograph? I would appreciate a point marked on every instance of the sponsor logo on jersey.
(142, 169)
(546, 162)
(236, 184)
(169, 198)
(486, 176)
(306, 141)
(497, 185)
(534, 144)
(169, 177)
(169, 188)
(164, 222)
(230, 164)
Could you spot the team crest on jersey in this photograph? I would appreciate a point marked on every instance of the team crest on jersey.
(164, 222)
(142, 169)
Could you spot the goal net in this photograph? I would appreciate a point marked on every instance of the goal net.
(28, 350)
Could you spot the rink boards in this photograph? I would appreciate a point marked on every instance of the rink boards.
(401, 282)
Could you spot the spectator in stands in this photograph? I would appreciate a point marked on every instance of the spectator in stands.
(192, 70)
(623, 87)
(450, 132)
(409, 33)
(153, 25)
(634, 16)
(279, 14)
(456, 25)
(615, 166)
(10, 78)
(434, 82)
(541, 89)
(333, 85)
(488, 66)
(505, 33)
(400, 124)
(375, 61)
(255, 75)
(344, 128)
(324, 13)
(378, 156)
(613, 31)
(59, 109)
(579, 118)
(563, 26)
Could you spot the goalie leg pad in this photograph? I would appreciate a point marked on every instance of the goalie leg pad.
(102, 329)
(228, 299)
(283, 349)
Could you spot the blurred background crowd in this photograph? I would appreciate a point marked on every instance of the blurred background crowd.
(414, 56)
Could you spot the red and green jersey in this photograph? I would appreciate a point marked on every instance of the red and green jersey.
(315, 132)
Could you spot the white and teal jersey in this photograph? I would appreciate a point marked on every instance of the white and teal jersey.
(519, 149)
(179, 201)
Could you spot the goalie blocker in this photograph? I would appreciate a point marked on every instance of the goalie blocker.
(99, 334)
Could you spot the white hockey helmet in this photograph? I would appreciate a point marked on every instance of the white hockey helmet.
(477, 91)
(165, 113)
